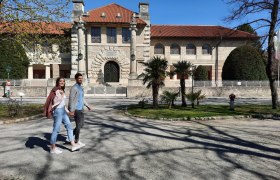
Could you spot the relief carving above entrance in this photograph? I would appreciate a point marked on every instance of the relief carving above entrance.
(109, 54)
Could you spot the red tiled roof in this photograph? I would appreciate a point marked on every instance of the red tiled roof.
(54, 28)
(180, 31)
(111, 12)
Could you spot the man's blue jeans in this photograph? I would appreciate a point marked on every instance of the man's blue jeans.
(60, 116)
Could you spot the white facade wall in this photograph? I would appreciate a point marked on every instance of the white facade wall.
(224, 49)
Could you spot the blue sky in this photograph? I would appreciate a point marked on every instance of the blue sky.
(182, 12)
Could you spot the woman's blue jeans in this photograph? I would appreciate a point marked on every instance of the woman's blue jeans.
(60, 116)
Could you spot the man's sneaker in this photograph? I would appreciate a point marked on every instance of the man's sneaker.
(56, 151)
(80, 144)
(67, 140)
(75, 148)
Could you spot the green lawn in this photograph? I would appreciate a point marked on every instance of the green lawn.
(27, 110)
(200, 111)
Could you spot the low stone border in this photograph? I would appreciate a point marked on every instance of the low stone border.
(192, 118)
(257, 116)
(21, 119)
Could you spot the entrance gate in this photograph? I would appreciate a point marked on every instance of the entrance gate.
(111, 72)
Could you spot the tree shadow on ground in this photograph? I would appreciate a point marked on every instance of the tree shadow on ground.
(145, 149)
(208, 139)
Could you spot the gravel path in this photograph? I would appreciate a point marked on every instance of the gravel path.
(120, 147)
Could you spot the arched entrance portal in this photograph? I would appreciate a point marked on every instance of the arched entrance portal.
(111, 72)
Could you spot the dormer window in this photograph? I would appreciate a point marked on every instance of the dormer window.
(119, 15)
(103, 14)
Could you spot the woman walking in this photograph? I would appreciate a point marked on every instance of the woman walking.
(60, 114)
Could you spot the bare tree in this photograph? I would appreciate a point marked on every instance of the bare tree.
(255, 11)
(29, 19)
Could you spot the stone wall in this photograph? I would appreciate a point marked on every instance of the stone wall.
(28, 91)
(138, 92)
(31, 91)
(240, 92)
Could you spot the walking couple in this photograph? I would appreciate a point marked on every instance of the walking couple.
(55, 107)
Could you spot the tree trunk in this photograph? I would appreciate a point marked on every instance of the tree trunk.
(169, 105)
(274, 94)
(155, 96)
(183, 92)
(269, 67)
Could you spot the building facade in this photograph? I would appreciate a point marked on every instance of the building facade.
(109, 43)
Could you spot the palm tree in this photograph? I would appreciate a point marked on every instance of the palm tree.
(183, 68)
(191, 97)
(154, 75)
(169, 98)
(199, 97)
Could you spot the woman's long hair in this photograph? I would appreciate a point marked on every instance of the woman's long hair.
(57, 83)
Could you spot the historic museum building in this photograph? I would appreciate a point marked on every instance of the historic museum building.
(109, 43)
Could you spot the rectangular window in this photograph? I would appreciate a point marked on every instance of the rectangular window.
(96, 35)
(111, 35)
(126, 35)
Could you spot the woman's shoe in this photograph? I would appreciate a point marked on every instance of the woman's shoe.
(56, 151)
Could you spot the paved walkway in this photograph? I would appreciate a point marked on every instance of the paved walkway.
(119, 147)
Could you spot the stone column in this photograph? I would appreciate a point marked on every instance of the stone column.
(30, 71)
(74, 51)
(133, 73)
(81, 52)
(77, 13)
(175, 77)
(48, 71)
(55, 68)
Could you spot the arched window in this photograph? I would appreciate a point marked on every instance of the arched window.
(175, 49)
(206, 49)
(159, 49)
(191, 49)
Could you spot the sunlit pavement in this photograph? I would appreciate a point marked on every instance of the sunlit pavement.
(120, 147)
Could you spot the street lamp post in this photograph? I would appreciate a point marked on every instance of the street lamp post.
(8, 69)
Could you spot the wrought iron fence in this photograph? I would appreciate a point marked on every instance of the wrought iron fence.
(231, 83)
(107, 91)
(70, 82)
(14, 82)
